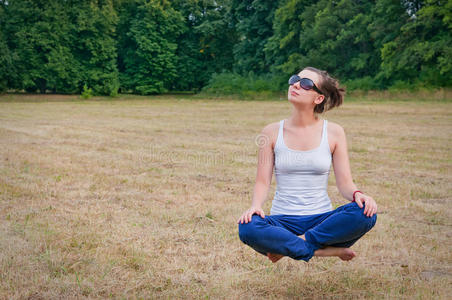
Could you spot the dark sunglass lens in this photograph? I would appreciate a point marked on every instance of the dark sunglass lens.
(306, 83)
(293, 79)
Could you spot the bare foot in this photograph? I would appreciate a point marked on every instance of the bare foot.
(347, 254)
(342, 253)
(274, 257)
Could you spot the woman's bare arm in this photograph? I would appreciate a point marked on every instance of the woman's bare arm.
(344, 181)
(264, 174)
(341, 164)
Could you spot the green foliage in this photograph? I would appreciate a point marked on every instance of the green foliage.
(36, 33)
(421, 54)
(283, 47)
(233, 83)
(206, 47)
(147, 56)
(325, 34)
(59, 45)
(191, 58)
(365, 83)
(5, 64)
(96, 49)
(6, 59)
(400, 85)
(232, 46)
(87, 92)
(253, 20)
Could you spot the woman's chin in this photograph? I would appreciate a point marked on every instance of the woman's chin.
(297, 101)
(294, 99)
(291, 98)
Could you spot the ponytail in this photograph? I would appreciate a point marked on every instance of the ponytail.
(329, 86)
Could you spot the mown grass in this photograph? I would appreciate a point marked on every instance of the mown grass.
(138, 197)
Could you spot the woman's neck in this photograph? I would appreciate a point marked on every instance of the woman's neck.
(302, 118)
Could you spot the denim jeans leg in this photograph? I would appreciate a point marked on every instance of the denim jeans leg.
(267, 235)
(341, 229)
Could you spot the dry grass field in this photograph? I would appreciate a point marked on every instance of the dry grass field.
(139, 197)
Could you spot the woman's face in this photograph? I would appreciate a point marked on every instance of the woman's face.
(296, 94)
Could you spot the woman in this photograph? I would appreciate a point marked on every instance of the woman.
(301, 150)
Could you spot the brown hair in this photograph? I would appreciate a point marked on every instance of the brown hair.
(329, 86)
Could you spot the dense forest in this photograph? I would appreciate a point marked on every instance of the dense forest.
(156, 46)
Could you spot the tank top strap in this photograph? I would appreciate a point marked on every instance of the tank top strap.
(279, 139)
(325, 134)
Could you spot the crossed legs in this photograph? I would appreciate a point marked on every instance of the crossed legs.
(327, 234)
(342, 253)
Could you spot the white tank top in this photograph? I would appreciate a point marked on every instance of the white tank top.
(301, 177)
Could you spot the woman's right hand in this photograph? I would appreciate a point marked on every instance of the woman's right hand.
(247, 215)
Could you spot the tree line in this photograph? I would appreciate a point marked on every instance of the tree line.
(156, 46)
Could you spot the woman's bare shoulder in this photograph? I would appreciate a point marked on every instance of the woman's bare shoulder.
(271, 128)
(336, 135)
(335, 130)
(271, 131)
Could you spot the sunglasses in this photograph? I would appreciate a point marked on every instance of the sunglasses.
(305, 83)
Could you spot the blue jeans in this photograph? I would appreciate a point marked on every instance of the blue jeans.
(278, 234)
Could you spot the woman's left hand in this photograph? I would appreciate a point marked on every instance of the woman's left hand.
(371, 205)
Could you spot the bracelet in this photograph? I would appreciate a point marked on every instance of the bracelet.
(357, 191)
